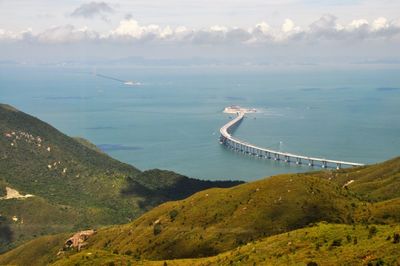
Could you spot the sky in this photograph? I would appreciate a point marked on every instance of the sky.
(290, 31)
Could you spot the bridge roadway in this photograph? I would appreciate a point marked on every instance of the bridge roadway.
(238, 145)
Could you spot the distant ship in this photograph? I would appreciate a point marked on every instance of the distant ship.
(125, 82)
(131, 83)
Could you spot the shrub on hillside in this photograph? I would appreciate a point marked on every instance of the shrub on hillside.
(372, 231)
(173, 214)
(157, 229)
(396, 238)
(336, 242)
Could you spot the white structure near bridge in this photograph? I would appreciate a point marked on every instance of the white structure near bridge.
(241, 146)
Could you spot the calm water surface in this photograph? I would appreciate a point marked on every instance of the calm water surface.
(172, 120)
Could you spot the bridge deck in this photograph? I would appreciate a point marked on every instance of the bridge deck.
(229, 140)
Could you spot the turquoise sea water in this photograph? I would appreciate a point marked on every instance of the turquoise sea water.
(172, 120)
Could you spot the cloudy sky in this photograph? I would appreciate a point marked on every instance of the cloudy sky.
(288, 30)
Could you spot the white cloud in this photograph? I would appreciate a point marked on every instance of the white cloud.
(181, 29)
(237, 35)
(218, 28)
(8, 36)
(66, 34)
(357, 24)
(262, 28)
(130, 30)
(288, 25)
(380, 23)
(324, 28)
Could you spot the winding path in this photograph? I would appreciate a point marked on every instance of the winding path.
(238, 145)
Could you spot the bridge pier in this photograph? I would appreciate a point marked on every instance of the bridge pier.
(298, 161)
(263, 154)
(310, 163)
(324, 164)
(338, 166)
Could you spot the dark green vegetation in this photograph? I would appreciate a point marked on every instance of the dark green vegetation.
(75, 186)
(285, 219)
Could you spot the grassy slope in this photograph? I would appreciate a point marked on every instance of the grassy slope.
(218, 220)
(40, 251)
(357, 246)
(325, 244)
(376, 182)
(215, 221)
(83, 188)
(88, 144)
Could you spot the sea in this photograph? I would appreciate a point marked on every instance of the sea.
(171, 120)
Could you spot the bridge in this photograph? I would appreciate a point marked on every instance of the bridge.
(241, 146)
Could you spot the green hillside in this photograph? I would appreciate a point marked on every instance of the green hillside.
(217, 220)
(228, 221)
(323, 244)
(373, 183)
(74, 185)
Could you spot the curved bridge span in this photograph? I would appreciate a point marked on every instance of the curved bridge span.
(238, 145)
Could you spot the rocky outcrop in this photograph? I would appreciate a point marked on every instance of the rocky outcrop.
(78, 240)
